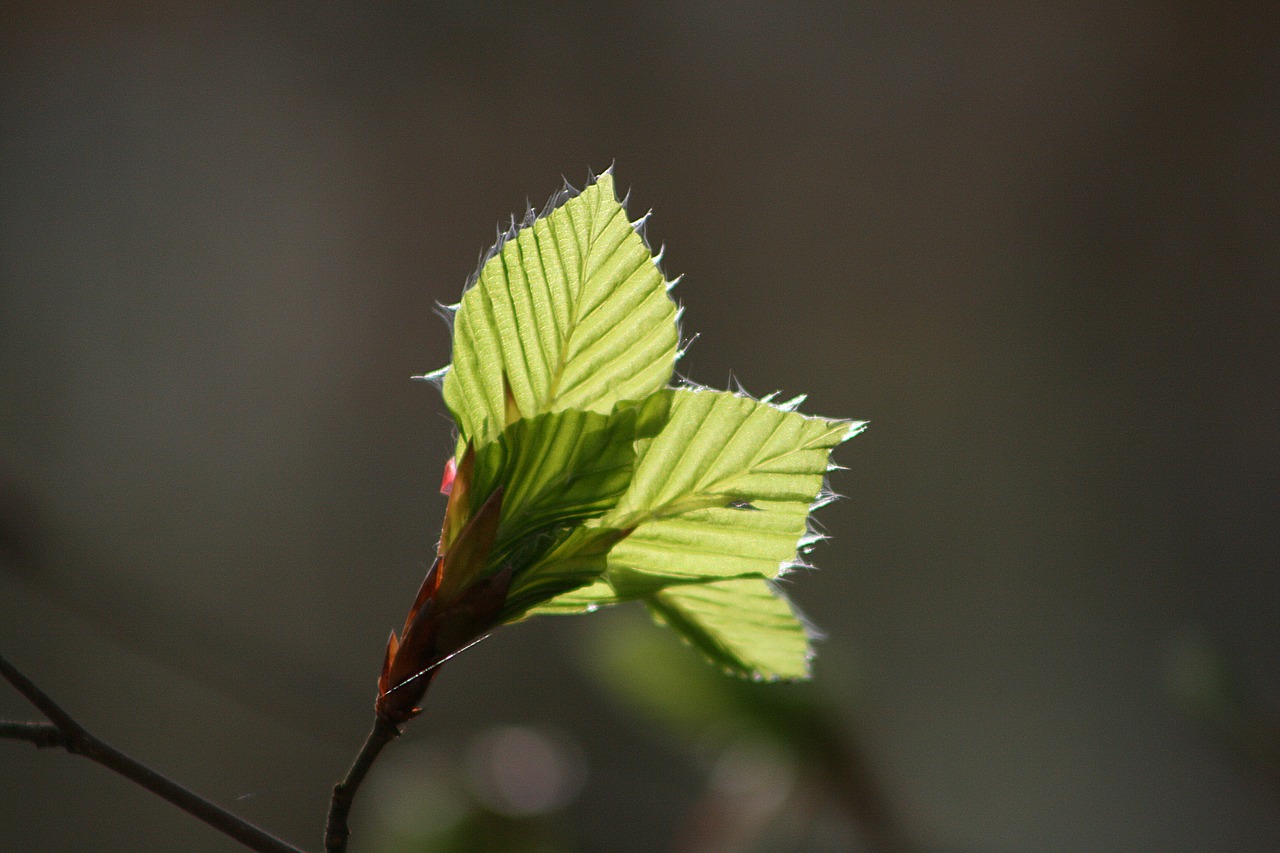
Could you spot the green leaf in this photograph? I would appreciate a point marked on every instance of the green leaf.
(569, 312)
(745, 626)
(718, 505)
(568, 578)
(559, 470)
(556, 469)
(723, 491)
(607, 484)
(656, 677)
(599, 593)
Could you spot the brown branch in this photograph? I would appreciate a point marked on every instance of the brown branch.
(40, 735)
(336, 832)
(63, 731)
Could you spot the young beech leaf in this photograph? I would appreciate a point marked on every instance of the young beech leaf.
(719, 448)
(719, 503)
(746, 626)
(568, 312)
(582, 480)
(723, 491)
(557, 470)
(567, 577)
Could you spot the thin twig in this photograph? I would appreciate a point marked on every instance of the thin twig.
(75, 739)
(336, 832)
(41, 735)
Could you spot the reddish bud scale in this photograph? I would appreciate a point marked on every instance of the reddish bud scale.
(431, 638)
(456, 603)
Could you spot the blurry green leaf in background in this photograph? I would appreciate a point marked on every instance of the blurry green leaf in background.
(789, 774)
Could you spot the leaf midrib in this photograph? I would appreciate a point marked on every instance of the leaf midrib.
(584, 252)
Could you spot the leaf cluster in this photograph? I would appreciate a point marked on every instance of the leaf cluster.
(596, 481)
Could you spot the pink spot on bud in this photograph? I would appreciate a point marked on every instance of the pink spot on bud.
(450, 471)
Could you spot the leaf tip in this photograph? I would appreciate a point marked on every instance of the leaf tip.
(435, 377)
(794, 403)
(684, 348)
(603, 178)
(854, 428)
(384, 677)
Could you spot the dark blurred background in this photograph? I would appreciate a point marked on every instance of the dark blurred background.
(1034, 244)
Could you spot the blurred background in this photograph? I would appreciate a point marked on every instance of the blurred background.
(1035, 245)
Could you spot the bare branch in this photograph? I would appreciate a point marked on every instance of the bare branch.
(71, 736)
(41, 735)
(336, 832)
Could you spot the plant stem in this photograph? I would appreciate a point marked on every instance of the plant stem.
(336, 832)
(65, 732)
(39, 735)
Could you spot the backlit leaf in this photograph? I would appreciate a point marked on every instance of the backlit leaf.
(746, 626)
(569, 312)
(613, 486)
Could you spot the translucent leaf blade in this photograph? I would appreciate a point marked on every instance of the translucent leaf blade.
(557, 469)
(708, 544)
(723, 491)
(745, 626)
(717, 445)
(568, 578)
(719, 505)
(571, 311)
